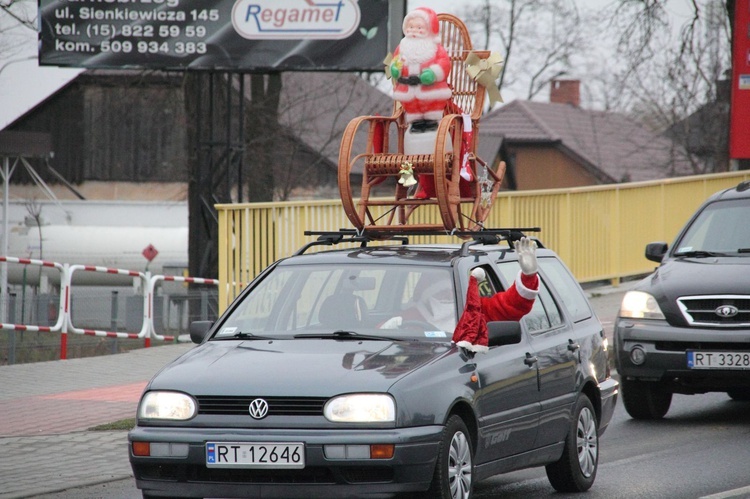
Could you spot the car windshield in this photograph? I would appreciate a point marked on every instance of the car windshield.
(347, 302)
(722, 228)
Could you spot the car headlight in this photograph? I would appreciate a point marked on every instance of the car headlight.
(640, 305)
(361, 408)
(167, 405)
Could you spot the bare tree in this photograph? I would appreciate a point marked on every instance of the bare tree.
(17, 24)
(674, 79)
(537, 38)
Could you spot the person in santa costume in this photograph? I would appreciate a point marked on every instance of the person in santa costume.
(509, 305)
(419, 68)
(436, 303)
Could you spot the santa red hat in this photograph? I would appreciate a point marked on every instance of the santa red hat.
(471, 330)
(429, 16)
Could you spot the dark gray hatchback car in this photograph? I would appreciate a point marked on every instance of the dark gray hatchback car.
(686, 327)
(297, 390)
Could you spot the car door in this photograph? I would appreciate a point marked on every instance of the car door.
(557, 349)
(508, 394)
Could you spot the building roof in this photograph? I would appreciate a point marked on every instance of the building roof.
(610, 145)
(316, 107)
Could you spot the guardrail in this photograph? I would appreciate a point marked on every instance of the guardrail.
(142, 305)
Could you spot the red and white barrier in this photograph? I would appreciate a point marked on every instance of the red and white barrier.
(58, 327)
(64, 322)
(150, 297)
(143, 333)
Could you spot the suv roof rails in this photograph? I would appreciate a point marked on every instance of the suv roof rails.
(484, 236)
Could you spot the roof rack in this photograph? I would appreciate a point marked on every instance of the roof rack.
(484, 236)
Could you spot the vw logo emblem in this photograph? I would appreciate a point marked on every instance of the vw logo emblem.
(258, 409)
(726, 311)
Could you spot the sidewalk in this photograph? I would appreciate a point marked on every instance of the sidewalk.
(46, 409)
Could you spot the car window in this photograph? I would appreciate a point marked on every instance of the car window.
(545, 313)
(352, 297)
(567, 288)
(721, 227)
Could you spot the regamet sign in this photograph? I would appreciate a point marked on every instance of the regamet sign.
(237, 35)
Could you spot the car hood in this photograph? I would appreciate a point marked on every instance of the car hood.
(676, 278)
(301, 367)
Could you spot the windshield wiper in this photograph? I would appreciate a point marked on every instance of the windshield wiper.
(699, 254)
(243, 336)
(349, 335)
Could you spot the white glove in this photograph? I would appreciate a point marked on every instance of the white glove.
(479, 274)
(392, 323)
(526, 249)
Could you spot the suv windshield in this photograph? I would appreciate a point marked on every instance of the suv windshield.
(388, 301)
(721, 228)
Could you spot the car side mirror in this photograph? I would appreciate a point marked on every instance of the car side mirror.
(503, 333)
(198, 330)
(656, 251)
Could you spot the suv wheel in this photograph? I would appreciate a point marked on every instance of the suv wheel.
(455, 467)
(575, 471)
(645, 399)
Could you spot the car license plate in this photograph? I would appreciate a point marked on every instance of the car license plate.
(255, 455)
(718, 360)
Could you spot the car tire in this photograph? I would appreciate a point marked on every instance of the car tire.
(575, 471)
(739, 394)
(454, 469)
(644, 399)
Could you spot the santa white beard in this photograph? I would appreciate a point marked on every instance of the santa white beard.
(417, 50)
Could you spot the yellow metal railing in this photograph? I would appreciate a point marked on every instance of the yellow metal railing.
(600, 231)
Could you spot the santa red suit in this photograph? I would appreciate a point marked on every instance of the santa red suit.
(514, 303)
(420, 67)
(509, 305)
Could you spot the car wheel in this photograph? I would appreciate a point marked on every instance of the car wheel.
(739, 394)
(455, 467)
(645, 400)
(575, 471)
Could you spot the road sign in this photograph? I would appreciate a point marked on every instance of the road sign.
(149, 252)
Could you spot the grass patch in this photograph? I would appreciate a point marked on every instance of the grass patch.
(123, 424)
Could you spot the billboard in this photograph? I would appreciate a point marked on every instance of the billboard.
(235, 35)
(739, 129)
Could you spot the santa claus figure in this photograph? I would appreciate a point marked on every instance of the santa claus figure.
(419, 68)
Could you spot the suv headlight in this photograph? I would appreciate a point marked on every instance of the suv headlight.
(175, 406)
(361, 408)
(640, 305)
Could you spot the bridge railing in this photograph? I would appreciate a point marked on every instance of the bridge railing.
(599, 231)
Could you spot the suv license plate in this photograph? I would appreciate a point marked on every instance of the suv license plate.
(255, 455)
(718, 360)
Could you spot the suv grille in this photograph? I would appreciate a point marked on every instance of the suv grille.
(716, 311)
(277, 406)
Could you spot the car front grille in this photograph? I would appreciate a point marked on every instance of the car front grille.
(704, 346)
(277, 406)
(716, 311)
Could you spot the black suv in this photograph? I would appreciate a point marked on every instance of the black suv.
(299, 391)
(686, 327)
